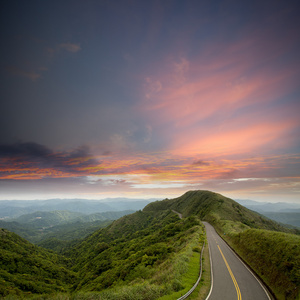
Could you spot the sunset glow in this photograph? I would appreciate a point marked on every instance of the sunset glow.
(123, 99)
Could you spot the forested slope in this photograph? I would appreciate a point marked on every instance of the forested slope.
(27, 269)
(146, 249)
(140, 256)
(271, 249)
(150, 253)
(56, 229)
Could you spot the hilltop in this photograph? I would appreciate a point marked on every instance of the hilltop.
(270, 248)
(152, 252)
(216, 209)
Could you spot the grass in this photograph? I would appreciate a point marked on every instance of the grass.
(188, 279)
(178, 273)
(274, 256)
(203, 288)
(140, 291)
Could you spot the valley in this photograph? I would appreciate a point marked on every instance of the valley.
(153, 253)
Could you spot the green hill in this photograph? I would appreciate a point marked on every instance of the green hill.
(26, 269)
(104, 216)
(216, 209)
(145, 252)
(271, 249)
(41, 219)
(152, 253)
(54, 229)
(275, 256)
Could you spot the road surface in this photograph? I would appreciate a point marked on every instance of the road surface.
(231, 279)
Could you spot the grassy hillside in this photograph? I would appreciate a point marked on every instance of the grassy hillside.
(270, 248)
(63, 236)
(26, 269)
(151, 253)
(53, 230)
(275, 256)
(214, 208)
(141, 256)
(146, 252)
(108, 215)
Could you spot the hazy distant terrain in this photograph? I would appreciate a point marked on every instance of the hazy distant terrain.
(59, 227)
(16, 208)
(287, 213)
(56, 222)
(143, 255)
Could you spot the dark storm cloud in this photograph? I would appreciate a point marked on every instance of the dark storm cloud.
(27, 155)
(25, 150)
(201, 163)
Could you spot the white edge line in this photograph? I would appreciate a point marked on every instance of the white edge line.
(211, 270)
(247, 269)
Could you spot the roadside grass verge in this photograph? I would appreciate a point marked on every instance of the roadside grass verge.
(274, 256)
(187, 280)
(203, 288)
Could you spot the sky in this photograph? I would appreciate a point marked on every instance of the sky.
(150, 99)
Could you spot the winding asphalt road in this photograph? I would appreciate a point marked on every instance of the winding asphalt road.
(231, 279)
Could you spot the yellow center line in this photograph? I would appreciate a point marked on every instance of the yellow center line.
(232, 276)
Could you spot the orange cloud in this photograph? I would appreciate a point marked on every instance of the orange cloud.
(224, 102)
(243, 138)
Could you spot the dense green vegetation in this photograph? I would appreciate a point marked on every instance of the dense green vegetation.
(149, 254)
(59, 237)
(213, 207)
(268, 247)
(275, 256)
(56, 229)
(40, 219)
(145, 251)
(141, 256)
(27, 269)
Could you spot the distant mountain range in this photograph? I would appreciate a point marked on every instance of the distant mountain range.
(287, 213)
(146, 254)
(65, 219)
(16, 208)
(64, 225)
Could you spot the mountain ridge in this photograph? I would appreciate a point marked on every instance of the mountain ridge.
(213, 207)
(145, 252)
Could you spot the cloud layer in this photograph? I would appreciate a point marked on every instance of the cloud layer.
(158, 172)
(166, 96)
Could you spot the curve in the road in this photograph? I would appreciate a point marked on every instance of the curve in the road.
(231, 278)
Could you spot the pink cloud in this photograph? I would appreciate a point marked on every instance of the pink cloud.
(32, 75)
(224, 100)
(70, 47)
